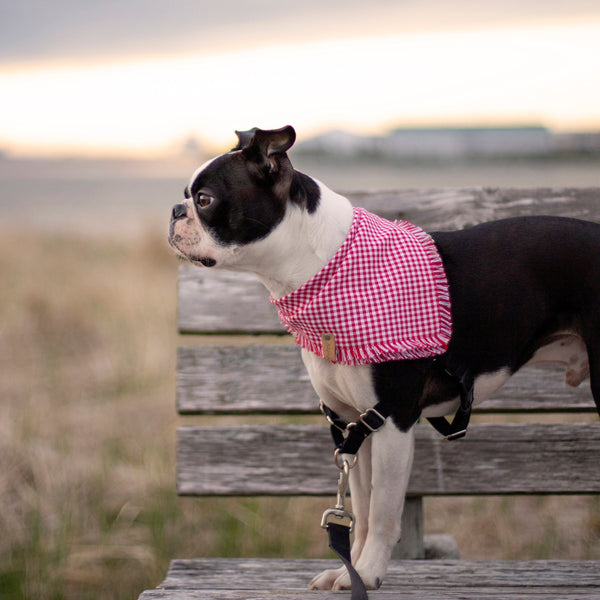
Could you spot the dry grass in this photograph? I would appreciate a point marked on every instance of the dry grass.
(87, 420)
(87, 434)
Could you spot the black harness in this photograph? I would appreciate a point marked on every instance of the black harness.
(348, 437)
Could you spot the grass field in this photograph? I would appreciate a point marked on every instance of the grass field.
(87, 434)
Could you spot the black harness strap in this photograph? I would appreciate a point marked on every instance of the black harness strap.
(358, 431)
(458, 428)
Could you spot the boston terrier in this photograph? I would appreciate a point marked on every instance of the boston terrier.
(498, 296)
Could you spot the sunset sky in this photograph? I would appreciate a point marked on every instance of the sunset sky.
(129, 77)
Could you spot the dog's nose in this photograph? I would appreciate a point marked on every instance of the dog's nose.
(179, 211)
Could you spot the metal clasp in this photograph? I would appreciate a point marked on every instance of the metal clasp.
(336, 459)
(339, 511)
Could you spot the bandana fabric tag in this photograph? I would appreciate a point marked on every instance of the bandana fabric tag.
(383, 296)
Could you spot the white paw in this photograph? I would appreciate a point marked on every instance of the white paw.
(338, 579)
(372, 578)
(326, 579)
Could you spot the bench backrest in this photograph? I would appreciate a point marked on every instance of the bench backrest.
(263, 375)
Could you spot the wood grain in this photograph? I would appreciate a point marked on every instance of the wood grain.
(265, 379)
(296, 459)
(222, 573)
(521, 592)
(259, 579)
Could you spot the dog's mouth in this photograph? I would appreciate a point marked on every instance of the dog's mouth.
(205, 261)
(184, 247)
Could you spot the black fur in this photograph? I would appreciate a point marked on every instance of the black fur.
(235, 215)
(513, 284)
(305, 192)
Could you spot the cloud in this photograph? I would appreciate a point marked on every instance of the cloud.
(76, 30)
(502, 76)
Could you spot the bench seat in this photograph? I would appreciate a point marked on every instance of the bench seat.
(266, 578)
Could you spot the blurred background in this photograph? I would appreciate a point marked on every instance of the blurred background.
(105, 111)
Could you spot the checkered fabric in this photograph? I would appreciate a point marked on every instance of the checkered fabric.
(384, 296)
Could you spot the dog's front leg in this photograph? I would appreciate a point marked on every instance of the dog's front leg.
(391, 461)
(360, 492)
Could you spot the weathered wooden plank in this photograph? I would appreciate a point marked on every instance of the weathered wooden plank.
(456, 208)
(261, 378)
(258, 378)
(296, 459)
(223, 302)
(424, 580)
(521, 592)
(261, 573)
(213, 301)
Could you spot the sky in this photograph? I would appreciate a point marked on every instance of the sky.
(82, 77)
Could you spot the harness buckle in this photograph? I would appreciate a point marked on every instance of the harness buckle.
(456, 435)
(366, 415)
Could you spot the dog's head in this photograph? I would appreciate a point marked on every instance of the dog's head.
(240, 198)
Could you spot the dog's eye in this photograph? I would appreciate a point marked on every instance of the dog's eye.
(204, 200)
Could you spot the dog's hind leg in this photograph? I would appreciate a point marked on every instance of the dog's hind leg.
(360, 492)
(391, 462)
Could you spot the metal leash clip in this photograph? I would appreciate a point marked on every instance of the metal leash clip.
(339, 512)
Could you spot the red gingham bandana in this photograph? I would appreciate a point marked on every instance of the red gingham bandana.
(384, 296)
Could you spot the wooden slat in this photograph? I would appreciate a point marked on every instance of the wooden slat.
(258, 378)
(457, 208)
(292, 460)
(213, 301)
(261, 378)
(256, 579)
(252, 573)
(223, 302)
(521, 592)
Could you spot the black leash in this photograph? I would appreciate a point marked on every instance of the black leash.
(339, 534)
(339, 542)
(348, 438)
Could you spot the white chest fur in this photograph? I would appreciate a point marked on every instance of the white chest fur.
(346, 389)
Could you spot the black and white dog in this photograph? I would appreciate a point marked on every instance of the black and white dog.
(522, 290)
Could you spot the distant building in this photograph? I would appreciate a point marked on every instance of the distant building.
(341, 143)
(578, 143)
(453, 143)
(468, 142)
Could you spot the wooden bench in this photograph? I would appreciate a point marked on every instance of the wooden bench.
(263, 376)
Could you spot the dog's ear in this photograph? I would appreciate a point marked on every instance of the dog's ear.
(266, 146)
(245, 138)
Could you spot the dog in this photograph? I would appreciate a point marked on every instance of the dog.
(520, 291)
